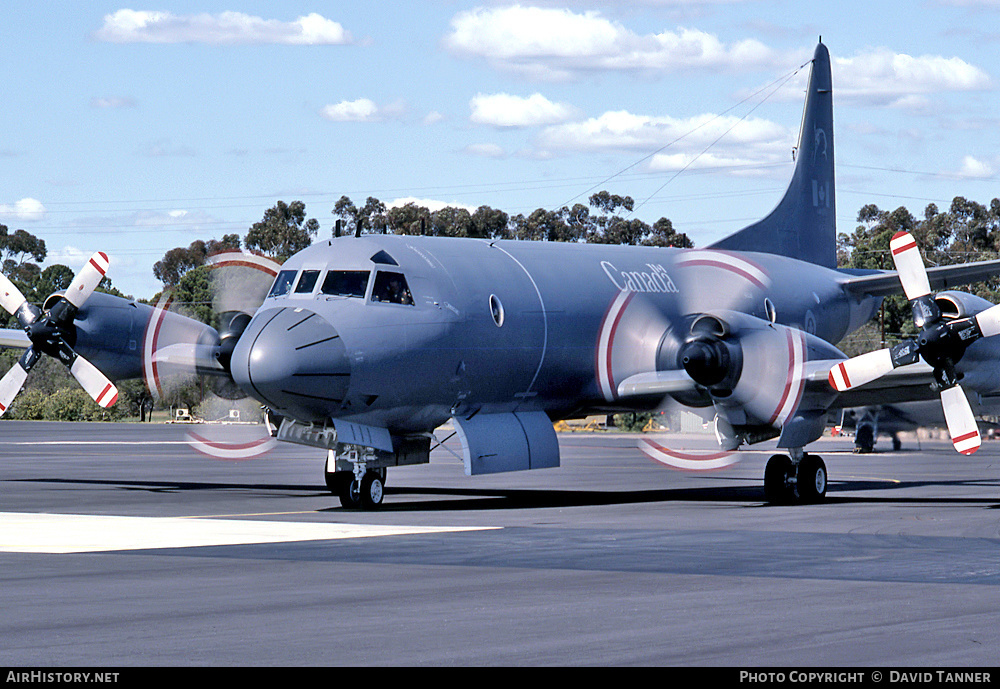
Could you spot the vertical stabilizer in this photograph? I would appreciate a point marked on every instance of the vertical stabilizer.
(804, 223)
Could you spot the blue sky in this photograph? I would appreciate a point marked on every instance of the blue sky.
(137, 128)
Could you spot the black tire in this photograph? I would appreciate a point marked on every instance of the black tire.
(333, 481)
(372, 490)
(776, 473)
(812, 479)
(347, 488)
(864, 440)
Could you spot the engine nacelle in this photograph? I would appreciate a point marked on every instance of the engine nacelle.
(125, 338)
(959, 304)
(753, 370)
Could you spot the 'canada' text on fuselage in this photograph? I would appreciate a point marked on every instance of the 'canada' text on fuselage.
(655, 280)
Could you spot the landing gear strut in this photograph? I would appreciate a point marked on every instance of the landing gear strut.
(787, 481)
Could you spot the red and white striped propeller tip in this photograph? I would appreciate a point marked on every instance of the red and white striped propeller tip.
(910, 265)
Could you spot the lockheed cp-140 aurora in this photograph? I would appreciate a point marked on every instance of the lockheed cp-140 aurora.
(365, 345)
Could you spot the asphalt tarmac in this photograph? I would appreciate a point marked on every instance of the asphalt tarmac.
(121, 546)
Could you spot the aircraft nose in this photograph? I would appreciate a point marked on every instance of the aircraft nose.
(294, 361)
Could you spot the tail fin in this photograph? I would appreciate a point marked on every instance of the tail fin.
(804, 223)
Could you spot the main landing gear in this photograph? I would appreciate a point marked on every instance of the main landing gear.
(796, 478)
(363, 490)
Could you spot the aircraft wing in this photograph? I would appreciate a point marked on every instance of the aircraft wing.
(941, 277)
(905, 384)
(910, 383)
(15, 338)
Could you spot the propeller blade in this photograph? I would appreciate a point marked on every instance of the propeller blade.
(909, 265)
(860, 370)
(655, 383)
(87, 279)
(989, 321)
(10, 296)
(961, 423)
(94, 382)
(10, 385)
(201, 358)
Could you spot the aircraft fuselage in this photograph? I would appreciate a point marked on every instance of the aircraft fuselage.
(500, 326)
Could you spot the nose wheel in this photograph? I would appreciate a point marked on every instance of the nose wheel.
(787, 482)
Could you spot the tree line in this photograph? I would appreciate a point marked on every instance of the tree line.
(285, 229)
(966, 231)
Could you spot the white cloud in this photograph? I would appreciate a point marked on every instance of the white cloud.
(486, 150)
(360, 110)
(505, 110)
(226, 28)
(725, 140)
(433, 117)
(432, 205)
(555, 43)
(165, 148)
(25, 209)
(973, 167)
(69, 256)
(112, 102)
(882, 77)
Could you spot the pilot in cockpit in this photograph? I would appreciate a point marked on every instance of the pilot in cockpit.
(391, 288)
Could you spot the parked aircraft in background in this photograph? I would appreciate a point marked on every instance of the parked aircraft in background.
(367, 344)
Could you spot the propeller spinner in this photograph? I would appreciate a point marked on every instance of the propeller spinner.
(940, 342)
(50, 332)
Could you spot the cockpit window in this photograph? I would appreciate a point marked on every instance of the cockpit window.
(391, 288)
(307, 282)
(384, 258)
(345, 283)
(282, 284)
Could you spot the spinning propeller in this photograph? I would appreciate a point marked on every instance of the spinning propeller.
(51, 331)
(941, 343)
(716, 352)
(180, 349)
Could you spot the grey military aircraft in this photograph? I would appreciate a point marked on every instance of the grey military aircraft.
(365, 345)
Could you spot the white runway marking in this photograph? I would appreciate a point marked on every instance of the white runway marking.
(78, 533)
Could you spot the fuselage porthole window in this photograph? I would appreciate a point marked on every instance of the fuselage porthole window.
(391, 288)
(496, 308)
(282, 284)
